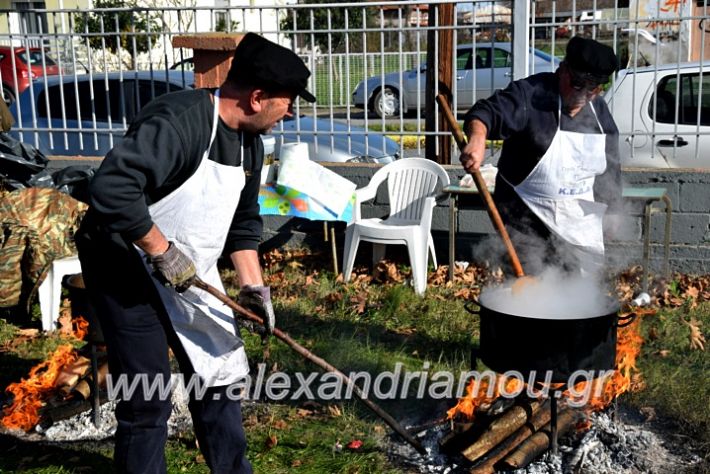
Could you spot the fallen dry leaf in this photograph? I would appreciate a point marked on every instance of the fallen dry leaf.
(280, 424)
(697, 339)
(30, 333)
(64, 321)
(296, 463)
(359, 302)
(649, 413)
(303, 413)
(251, 420)
(664, 353)
(379, 429)
(271, 441)
(334, 411)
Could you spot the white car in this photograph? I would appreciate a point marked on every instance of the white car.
(479, 73)
(663, 115)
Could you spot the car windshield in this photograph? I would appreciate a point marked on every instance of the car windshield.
(35, 58)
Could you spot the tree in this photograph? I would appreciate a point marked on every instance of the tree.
(128, 28)
(320, 23)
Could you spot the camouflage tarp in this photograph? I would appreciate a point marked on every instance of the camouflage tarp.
(38, 226)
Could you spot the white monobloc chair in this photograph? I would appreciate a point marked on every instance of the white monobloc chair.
(50, 291)
(411, 186)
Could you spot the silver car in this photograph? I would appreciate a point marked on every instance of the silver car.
(480, 71)
(663, 115)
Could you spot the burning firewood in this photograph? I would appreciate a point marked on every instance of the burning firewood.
(501, 428)
(83, 388)
(539, 442)
(71, 373)
(538, 420)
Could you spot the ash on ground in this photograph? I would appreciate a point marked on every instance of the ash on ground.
(80, 427)
(625, 445)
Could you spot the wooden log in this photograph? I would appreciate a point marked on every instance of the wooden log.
(539, 419)
(501, 428)
(70, 375)
(538, 443)
(83, 388)
(456, 439)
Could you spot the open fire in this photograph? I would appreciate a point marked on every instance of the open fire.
(531, 425)
(29, 395)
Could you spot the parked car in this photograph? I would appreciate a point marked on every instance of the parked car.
(337, 143)
(19, 66)
(663, 115)
(479, 74)
(88, 114)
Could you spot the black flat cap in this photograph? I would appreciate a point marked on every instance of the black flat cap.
(590, 58)
(261, 63)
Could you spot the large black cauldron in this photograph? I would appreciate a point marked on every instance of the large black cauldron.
(562, 346)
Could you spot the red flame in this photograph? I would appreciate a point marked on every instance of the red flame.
(482, 396)
(80, 328)
(628, 347)
(29, 394)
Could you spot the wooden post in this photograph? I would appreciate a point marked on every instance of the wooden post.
(212, 55)
(441, 73)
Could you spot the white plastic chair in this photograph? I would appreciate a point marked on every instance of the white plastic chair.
(411, 185)
(50, 291)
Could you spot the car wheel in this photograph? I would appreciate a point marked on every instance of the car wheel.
(8, 96)
(386, 103)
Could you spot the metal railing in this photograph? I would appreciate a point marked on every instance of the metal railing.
(345, 43)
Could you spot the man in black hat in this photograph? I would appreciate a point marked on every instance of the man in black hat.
(559, 167)
(177, 193)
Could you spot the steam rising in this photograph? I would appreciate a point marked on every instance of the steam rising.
(552, 295)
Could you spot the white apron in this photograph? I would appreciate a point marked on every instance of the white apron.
(196, 217)
(559, 190)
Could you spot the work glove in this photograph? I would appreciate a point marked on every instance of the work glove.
(257, 299)
(174, 268)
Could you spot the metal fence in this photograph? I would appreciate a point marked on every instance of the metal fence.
(375, 49)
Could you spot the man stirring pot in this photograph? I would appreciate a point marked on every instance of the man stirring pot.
(559, 167)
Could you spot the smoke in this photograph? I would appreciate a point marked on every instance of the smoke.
(554, 294)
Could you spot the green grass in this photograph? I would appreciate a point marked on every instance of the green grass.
(366, 325)
(677, 381)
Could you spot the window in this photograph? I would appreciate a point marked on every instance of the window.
(34, 58)
(463, 59)
(105, 103)
(483, 58)
(149, 90)
(694, 94)
(501, 58)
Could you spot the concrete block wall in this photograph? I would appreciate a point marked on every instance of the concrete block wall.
(689, 191)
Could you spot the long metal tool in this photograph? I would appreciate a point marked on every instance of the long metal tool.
(246, 314)
(482, 189)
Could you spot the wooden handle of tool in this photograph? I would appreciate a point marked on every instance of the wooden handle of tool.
(482, 188)
(246, 314)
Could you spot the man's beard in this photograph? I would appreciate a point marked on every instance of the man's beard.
(574, 100)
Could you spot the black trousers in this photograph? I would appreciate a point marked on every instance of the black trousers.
(138, 334)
